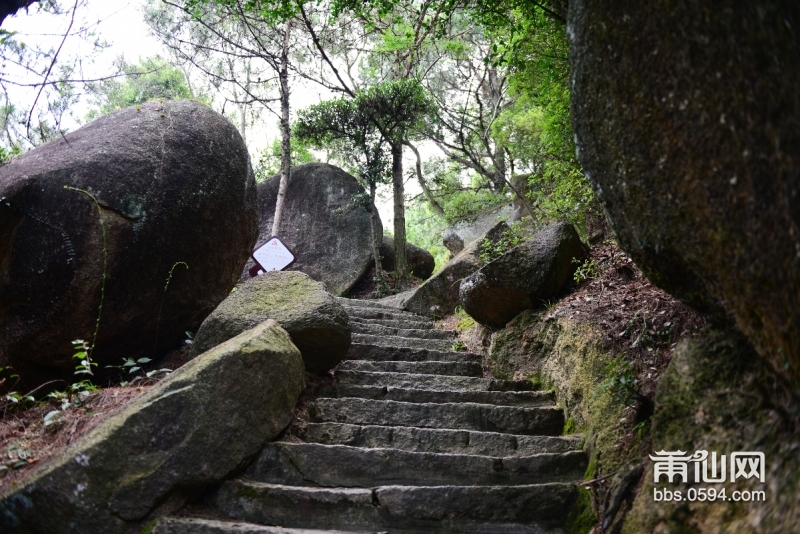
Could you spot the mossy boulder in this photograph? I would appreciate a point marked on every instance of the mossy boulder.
(438, 296)
(718, 396)
(524, 277)
(177, 201)
(317, 323)
(323, 224)
(686, 124)
(204, 421)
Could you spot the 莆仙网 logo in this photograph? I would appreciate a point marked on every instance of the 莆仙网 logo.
(708, 468)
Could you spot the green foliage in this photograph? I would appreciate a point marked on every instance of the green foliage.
(269, 161)
(6, 154)
(152, 79)
(510, 238)
(16, 456)
(81, 350)
(570, 426)
(622, 382)
(465, 321)
(458, 346)
(424, 228)
(581, 519)
(132, 367)
(586, 269)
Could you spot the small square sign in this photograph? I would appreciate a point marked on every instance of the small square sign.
(273, 255)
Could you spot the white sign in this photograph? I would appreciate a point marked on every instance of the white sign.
(272, 256)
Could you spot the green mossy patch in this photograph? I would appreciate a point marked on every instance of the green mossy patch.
(718, 395)
(567, 357)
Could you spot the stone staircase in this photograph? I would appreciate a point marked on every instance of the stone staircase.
(411, 438)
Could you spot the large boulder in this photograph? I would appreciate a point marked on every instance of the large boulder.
(438, 296)
(524, 277)
(420, 262)
(315, 320)
(177, 201)
(323, 223)
(687, 126)
(204, 421)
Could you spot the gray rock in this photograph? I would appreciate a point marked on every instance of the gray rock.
(438, 296)
(174, 184)
(499, 398)
(409, 342)
(432, 382)
(438, 440)
(467, 230)
(314, 464)
(317, 323)
(382, 353)
(424, 368)
(452, 241)
(686, 125)
(420, 261)
(532, 509)
(327, 230)
(190, 525)
(185, 434)
(548, 421)
(524, 277)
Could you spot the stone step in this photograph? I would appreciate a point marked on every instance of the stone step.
(315, 464)
(425, 368)
(430, 382)
(377, 353)
(546, 421)
(410, 342)
(418, 333)
(383, 313)
(499, 398)
(196, 525)
(364, 303)
(438, 440)
(395, 323)
(420, 509)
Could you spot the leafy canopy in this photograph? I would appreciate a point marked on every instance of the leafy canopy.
(153, 78)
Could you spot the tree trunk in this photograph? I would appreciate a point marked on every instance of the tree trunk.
(286, 154)
(425, 189)
(400, 265)
(377, 238)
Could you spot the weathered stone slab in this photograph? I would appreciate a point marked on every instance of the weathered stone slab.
(184, 435)
(317, 323)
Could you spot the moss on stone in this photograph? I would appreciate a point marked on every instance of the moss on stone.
(567, 357)
(582, 518)
(717, 395)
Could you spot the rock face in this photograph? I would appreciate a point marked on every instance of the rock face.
(452, 241)
(420, 261)
(173, 183)
(525, 276)
(439, 294)
(188, 432)
(317, 323)
(322, 224)
(686, 124)
(712, 397)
